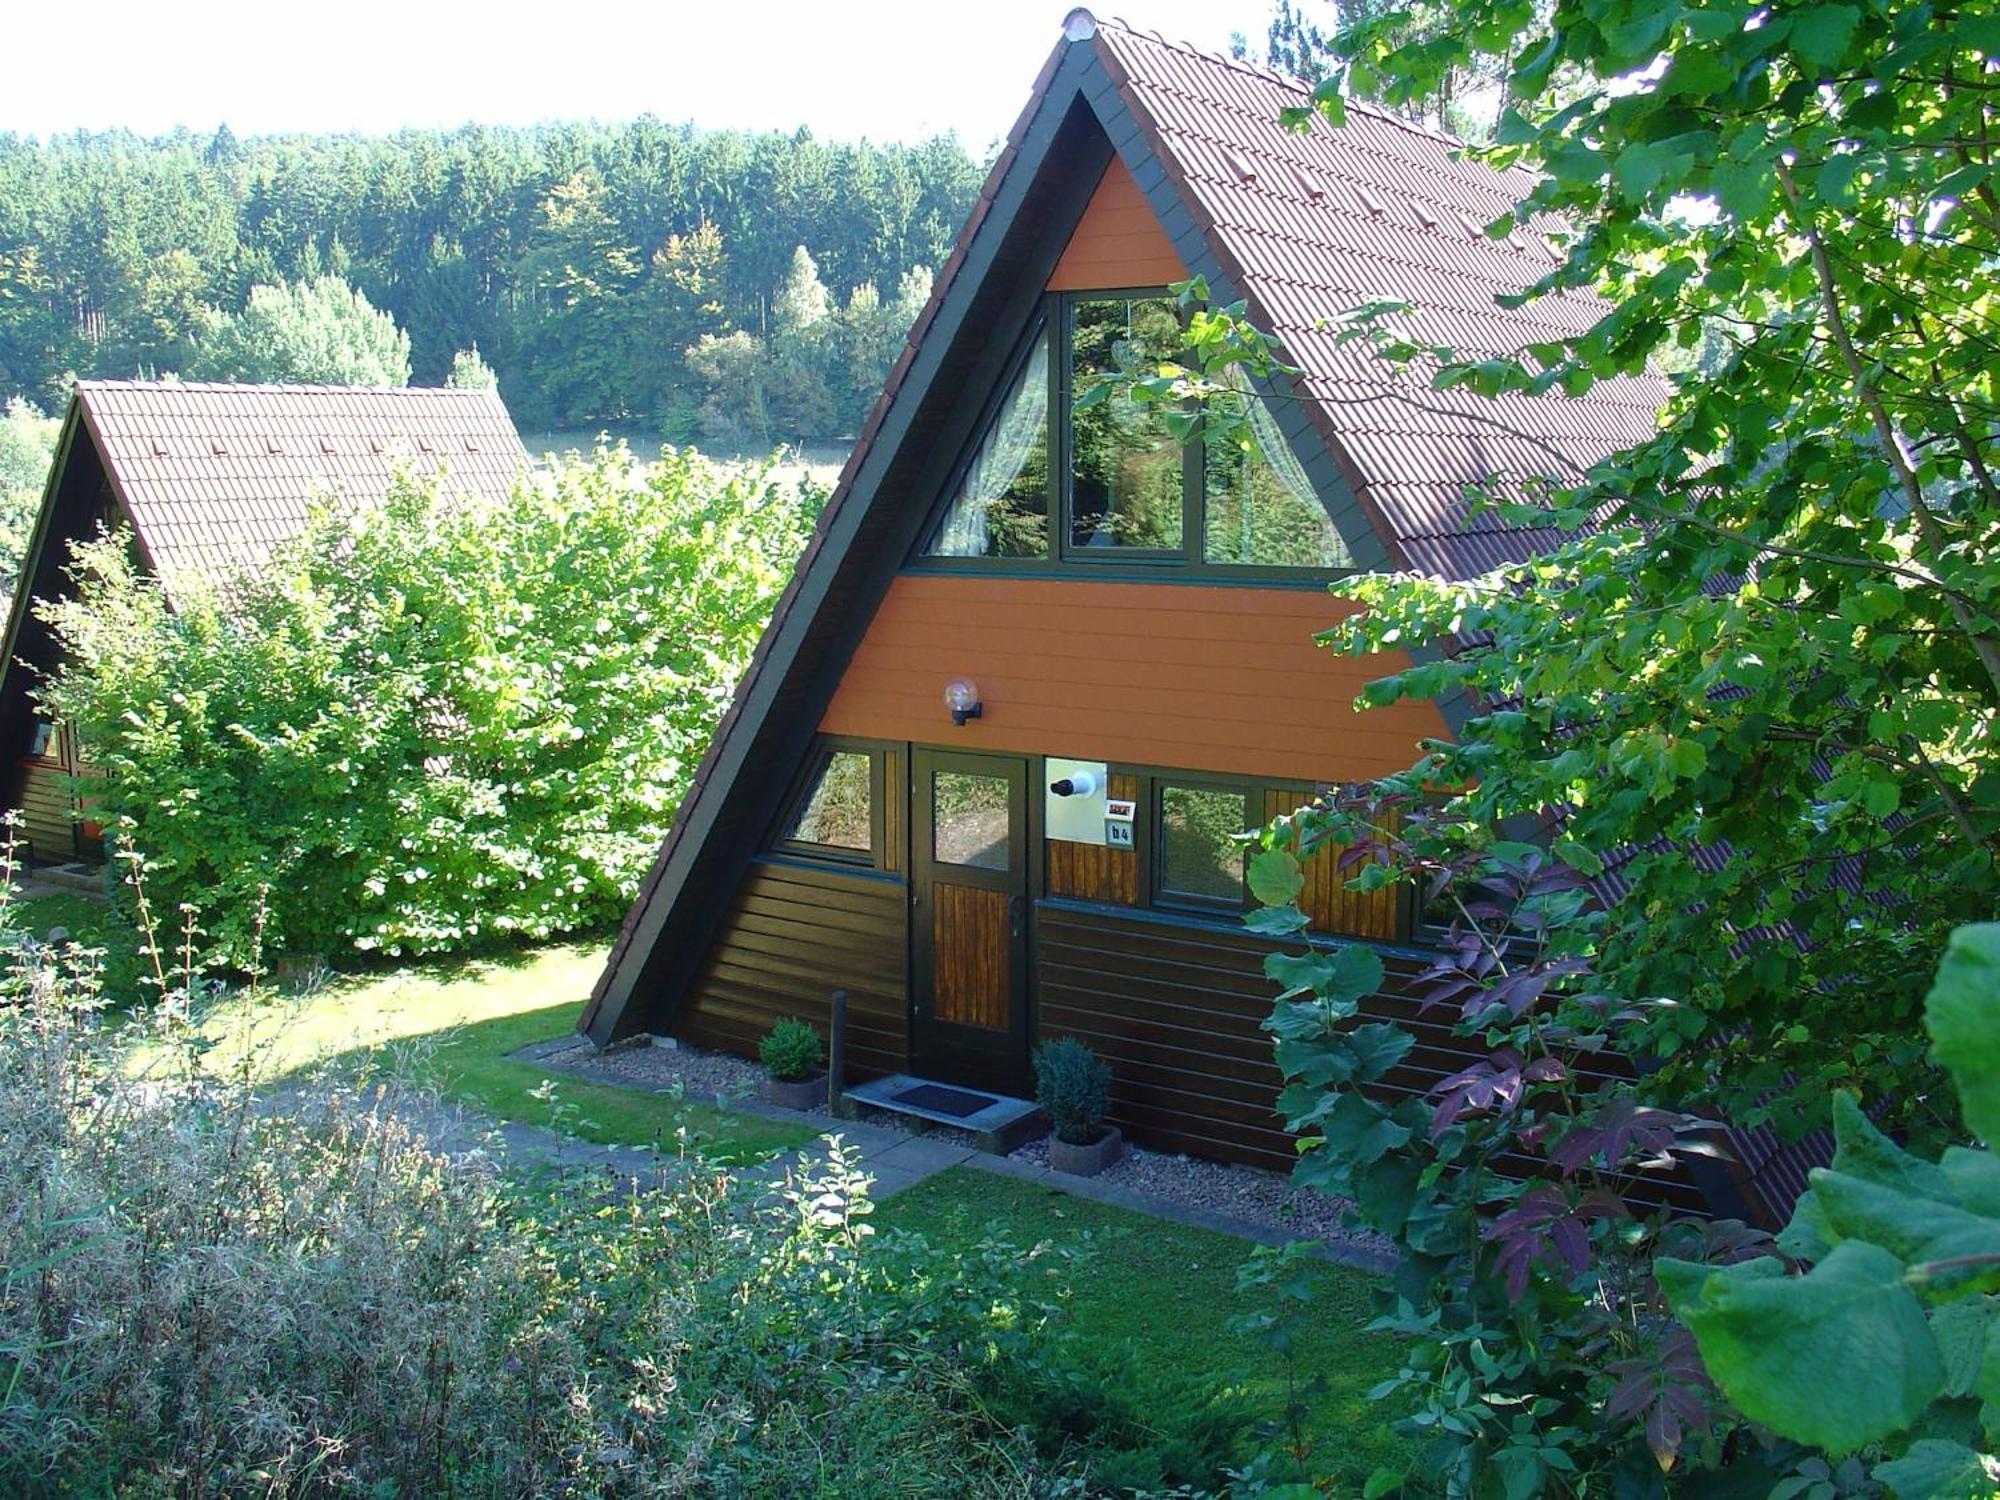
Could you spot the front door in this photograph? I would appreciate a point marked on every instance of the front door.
(969, 870)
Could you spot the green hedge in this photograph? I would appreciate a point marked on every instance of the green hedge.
(431, 725)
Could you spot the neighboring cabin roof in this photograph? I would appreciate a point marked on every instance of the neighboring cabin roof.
(1315, 222)
(213, 476)
(1302, 226)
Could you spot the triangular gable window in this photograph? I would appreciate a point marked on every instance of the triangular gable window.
(1125, 489)
(1260, 509)
(835, 813)
(1001, 507)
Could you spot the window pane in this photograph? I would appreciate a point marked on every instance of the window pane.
(1125, 466)
(837, 813)
(1263, 513)
(1198, 853)
(1002, 505)
(969, 820)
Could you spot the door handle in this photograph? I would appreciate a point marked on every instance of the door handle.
(1017, 910)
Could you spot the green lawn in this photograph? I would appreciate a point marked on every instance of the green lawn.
(1164, 1295)
(454, 1024)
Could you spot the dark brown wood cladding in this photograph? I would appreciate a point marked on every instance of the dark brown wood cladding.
(1177, 1012)
(1097, 872)
(794, 933)
(969, 981)
(1328, 900)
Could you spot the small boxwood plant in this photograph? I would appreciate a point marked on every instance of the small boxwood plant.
(791, 1051)
(1074, 1086)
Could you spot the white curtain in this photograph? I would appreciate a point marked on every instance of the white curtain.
(1284, 464)
(1017, 433)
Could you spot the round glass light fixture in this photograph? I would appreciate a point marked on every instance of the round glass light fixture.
(961, 696)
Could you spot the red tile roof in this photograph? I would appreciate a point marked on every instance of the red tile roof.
(1316, 222)
(215, 475)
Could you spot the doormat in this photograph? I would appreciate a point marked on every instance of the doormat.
(958, 1103)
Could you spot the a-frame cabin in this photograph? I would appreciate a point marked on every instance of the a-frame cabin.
(209, 478)
(1133, 618)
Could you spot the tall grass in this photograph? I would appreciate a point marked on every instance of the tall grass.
(206, 1292)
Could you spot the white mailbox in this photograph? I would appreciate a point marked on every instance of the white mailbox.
(1073, 798)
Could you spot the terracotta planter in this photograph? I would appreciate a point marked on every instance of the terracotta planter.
(796, 1093)
(1086, 1161)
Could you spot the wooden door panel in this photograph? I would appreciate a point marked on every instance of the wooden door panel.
(969, 881)
(969, 974)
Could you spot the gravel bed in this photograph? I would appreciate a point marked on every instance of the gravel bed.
(702, 1074)
(1253, 1195)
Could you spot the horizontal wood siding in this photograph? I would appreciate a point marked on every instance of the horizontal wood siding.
(794, 934)
(1118, 243)
(45, 812)
(1177, 1012)
(1186, 676)
(1097, 872)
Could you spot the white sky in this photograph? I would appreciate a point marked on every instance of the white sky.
(884, 69)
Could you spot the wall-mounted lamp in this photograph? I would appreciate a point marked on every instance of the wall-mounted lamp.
(961, 696)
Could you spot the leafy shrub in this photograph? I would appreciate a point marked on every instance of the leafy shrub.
(1074, 1086)
(791, 1051)
(434, 725)
(206, 1292)
(1542, 1356)
(1890, 1330)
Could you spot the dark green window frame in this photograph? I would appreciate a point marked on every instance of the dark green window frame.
(1161, 896)
(823, 751)
(1187, 563)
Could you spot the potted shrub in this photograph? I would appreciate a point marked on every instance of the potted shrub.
(794, 1066)
(1074, 1087)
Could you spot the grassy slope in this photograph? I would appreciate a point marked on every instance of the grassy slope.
(1165, 1295)
(456, 1023)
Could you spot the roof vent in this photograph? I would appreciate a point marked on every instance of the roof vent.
(1471, 226)
(1370, 202)
(374, 445)
(272, 445)
(472, 445)
(1241, 164)
(1311, 186)
(217, 447)
(159, 447)
(425, 445)
(1424, 215)
(325, 443)
(1079, 25)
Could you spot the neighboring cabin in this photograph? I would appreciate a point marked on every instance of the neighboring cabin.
(1125, 611)
(209, 478)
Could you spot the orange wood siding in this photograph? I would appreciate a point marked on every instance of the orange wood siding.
(1182, 676)
(1118, 242)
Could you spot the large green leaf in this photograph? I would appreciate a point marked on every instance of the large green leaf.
(1863, 1151)
(1934, 1469)
(1773, 1341)
(1276, 877)
(1344, 974)
(1963, 1016)
(1915, 1230)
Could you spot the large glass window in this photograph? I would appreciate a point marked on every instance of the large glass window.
(1199, 859)
(1001, 508)
(1260, 509)
(1126, 488)
(837, 812)
(1129, 488)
